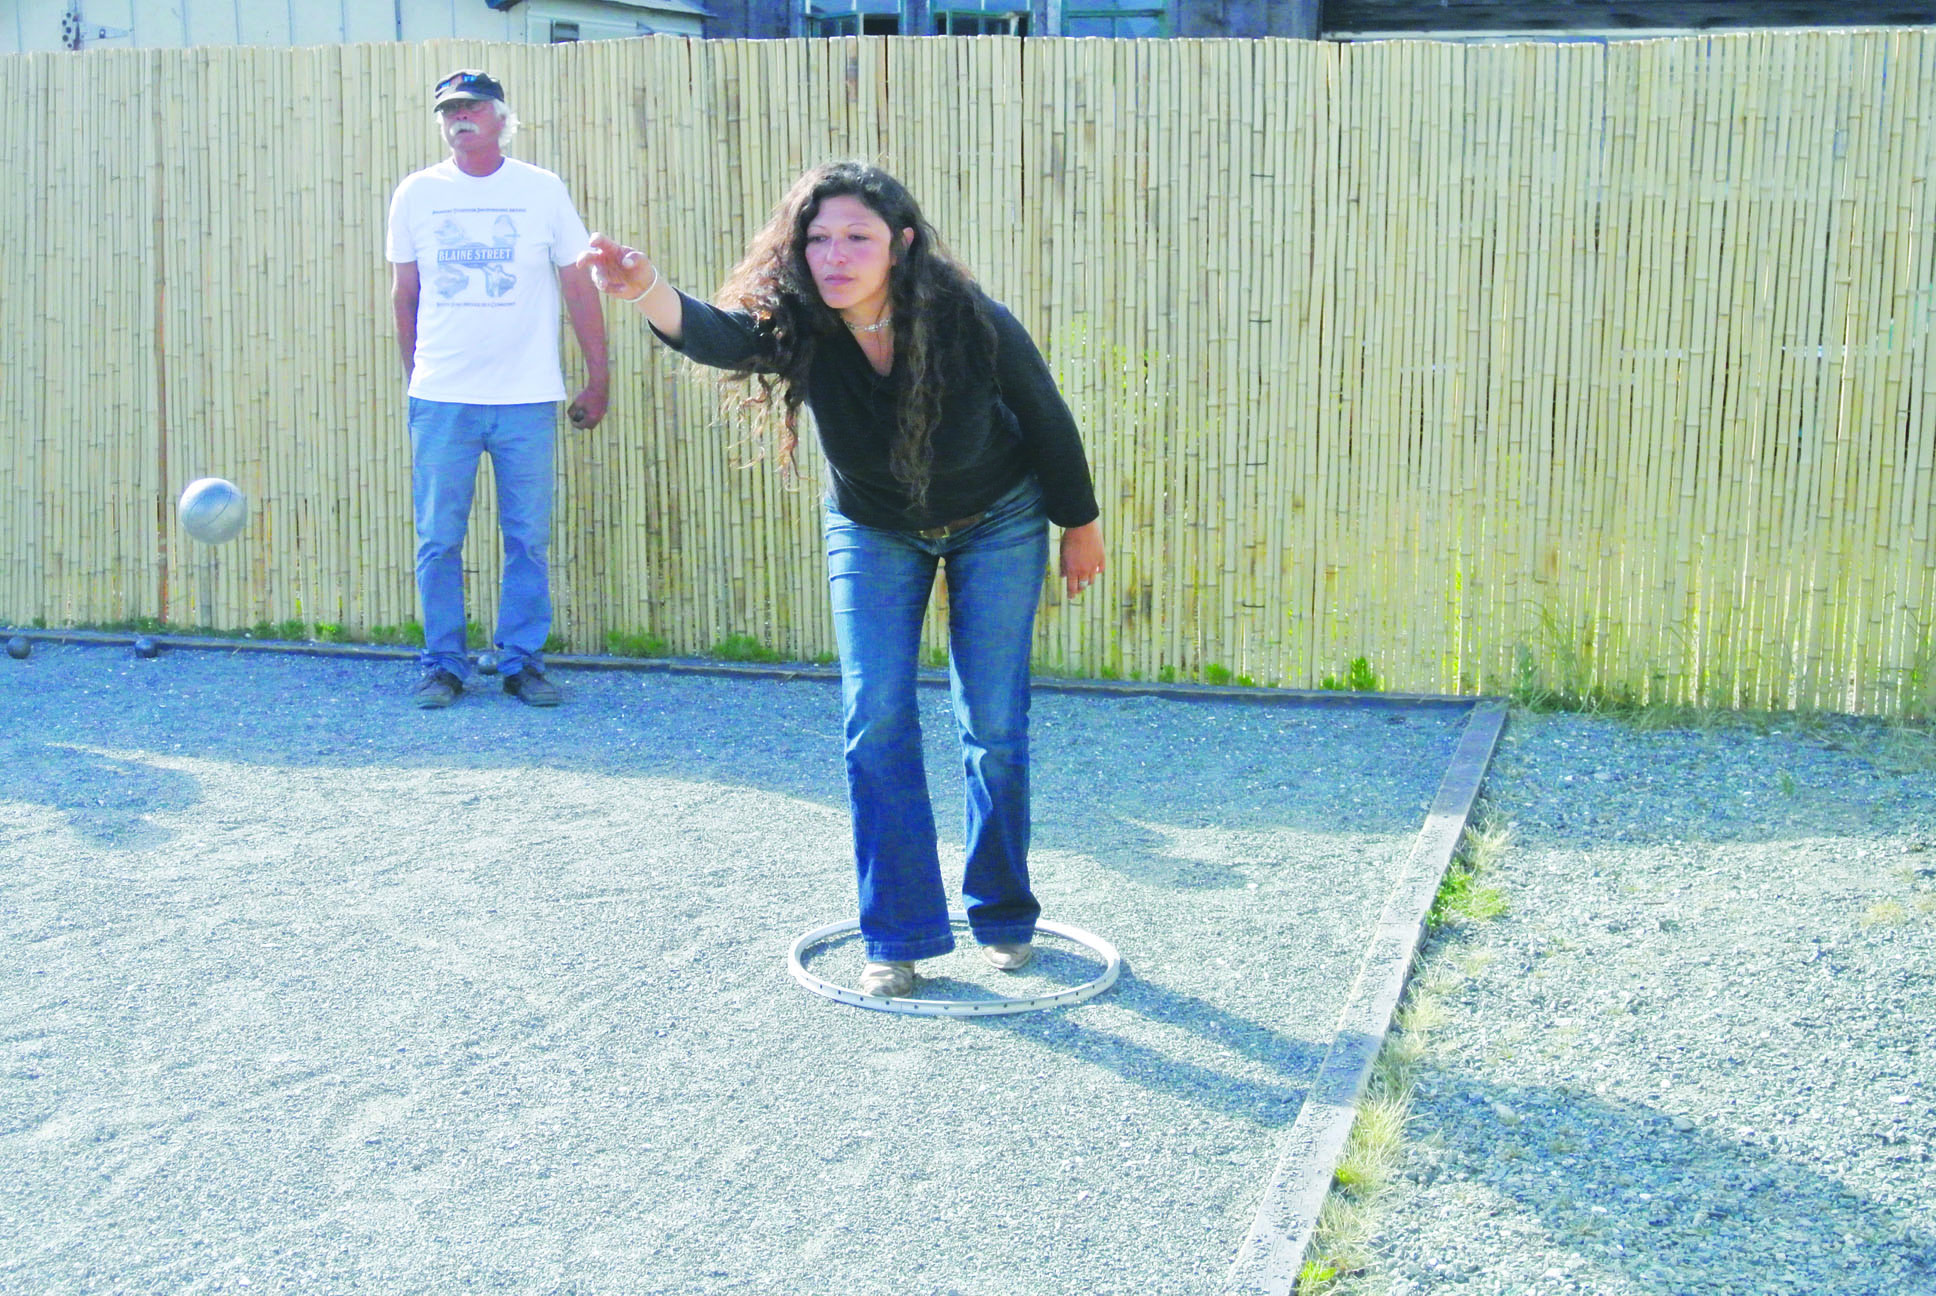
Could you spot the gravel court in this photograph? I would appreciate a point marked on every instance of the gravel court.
(308, 990)
(1694, 1055)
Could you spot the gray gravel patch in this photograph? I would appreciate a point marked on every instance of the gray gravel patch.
(1695, 1056)
(307, 990)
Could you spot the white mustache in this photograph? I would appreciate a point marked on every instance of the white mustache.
(463, 128)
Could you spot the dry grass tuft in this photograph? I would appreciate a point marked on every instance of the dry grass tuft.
(1341, 1249)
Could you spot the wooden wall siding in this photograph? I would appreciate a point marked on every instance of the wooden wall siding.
(1597, 365)
(27, 25)
(1561, 16)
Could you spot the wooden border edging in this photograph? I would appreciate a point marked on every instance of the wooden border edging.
(1272, 1256)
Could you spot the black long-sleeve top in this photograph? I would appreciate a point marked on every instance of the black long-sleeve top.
(995, 427)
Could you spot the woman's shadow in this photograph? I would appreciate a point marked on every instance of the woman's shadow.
(1672, 1210)
(1266, 1103)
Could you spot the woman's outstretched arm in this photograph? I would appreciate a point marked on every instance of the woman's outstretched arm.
(626, 274)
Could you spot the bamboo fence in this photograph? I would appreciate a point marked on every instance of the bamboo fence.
(1593, 367)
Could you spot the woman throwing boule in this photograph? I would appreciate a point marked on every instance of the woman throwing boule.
(946, 442)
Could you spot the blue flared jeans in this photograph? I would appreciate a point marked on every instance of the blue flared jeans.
(880, 582)
(445, 443)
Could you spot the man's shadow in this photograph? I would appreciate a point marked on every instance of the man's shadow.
(109, 802)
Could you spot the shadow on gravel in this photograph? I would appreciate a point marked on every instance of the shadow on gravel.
(107, 801)
(1266, 1104)
(1127, 781)
(1671, 1210)
(1728, 784)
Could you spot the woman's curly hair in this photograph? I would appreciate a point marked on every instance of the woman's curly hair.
(940, 318)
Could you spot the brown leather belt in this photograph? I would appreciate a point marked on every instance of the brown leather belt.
(947, 529)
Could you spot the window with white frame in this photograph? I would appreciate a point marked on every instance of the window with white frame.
(560, 21)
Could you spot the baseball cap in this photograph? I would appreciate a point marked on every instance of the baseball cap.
(468, 84)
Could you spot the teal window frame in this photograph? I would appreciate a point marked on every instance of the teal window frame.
(1153, 19)
(854, 18)
(1089, 12)
(978, 18)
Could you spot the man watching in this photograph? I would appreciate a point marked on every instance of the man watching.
(481, 246)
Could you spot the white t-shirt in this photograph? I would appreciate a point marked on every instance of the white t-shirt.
(486, 249)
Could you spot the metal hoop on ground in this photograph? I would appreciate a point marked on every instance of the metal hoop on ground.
(1112, 967)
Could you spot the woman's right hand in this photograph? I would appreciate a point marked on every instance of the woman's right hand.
(623, 272)
(617, 270)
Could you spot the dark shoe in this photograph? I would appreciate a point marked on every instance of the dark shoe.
(530, 687)
(1009, 958)
(438, 688)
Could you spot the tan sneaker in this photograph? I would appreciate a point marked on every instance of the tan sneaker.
(1009, 958)
(887, 980)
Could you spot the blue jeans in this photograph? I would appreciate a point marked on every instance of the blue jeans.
(445, 442)
(880, 582)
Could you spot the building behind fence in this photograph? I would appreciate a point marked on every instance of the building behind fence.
(89, 24)
(1586, 367)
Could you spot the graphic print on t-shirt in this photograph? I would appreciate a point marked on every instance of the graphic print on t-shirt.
(458, 255)
(487, 251)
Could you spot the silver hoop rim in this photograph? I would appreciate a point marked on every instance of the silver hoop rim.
(1112, 968)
